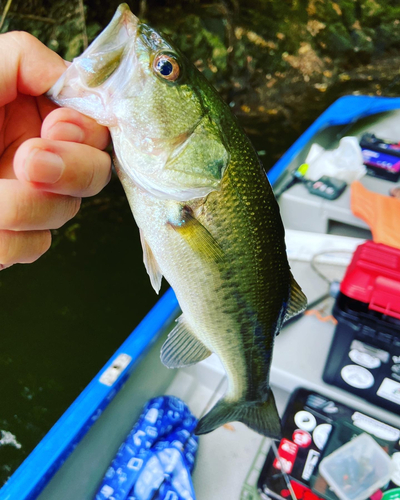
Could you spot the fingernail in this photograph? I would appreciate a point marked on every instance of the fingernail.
(44, 166)
(65, 131)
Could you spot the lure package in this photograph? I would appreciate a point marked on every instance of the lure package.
(314, 427)
(382, 158)
(370, 141)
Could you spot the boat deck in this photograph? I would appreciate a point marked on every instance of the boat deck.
(225, 456)
(229, 459)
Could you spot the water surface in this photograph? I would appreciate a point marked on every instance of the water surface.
(62, 317)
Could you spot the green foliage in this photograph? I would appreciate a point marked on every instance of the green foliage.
(245, 48)
(210, 32)
(337, 38)
(60, 25)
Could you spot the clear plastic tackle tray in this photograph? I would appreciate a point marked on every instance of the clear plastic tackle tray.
(358, 469)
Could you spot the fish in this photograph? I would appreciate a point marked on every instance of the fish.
(207, 216)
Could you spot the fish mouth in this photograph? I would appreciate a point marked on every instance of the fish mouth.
(120, 29)
(103, 56)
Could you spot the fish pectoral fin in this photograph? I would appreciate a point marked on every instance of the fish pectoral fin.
(262, 417)
(150, 264)
(182, 348)
(297, 300)
(196, 235)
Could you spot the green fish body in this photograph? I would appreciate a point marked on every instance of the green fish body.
(208, 219)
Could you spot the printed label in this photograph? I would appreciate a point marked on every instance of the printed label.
(357, 376)
(382, 160)
(302, 438)
(111, 374)
(375, 427)
(287, 452)
(390, 389)
(311, 462)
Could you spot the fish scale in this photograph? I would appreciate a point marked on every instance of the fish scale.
(240, 286)
(208, 218)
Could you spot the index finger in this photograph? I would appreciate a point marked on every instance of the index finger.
(26, 66)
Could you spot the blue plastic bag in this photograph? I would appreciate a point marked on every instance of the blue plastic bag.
(157, 457)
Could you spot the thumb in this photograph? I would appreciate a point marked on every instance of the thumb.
(26, 66)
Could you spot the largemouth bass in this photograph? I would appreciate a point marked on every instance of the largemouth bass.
(208, 219)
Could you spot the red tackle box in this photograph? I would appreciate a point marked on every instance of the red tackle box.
(373, 278)
(364, 357)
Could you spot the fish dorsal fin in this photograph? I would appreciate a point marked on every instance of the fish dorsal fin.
(196, 235)
(297, 300)
(182, 348)
(150, 264)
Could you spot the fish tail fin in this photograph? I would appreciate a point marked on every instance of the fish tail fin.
(262, 417)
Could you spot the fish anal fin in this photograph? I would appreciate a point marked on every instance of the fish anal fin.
(196, 235)
(297, 300)
(182, 348)
(262, 417)
(150, 264)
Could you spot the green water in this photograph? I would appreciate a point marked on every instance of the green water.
(63, 317)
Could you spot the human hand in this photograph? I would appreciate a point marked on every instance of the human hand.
(50, 157)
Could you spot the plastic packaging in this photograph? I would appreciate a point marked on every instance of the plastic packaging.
(344, 163)
(358, 469)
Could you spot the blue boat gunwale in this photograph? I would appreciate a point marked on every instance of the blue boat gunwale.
(38, 468)
(343, 111)
(47, 457)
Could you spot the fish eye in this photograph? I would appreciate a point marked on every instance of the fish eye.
(167, 67)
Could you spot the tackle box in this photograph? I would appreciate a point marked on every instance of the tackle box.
(364, 356)
(314, 428)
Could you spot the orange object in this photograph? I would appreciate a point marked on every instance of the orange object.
(318, 315)
(380, 212)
